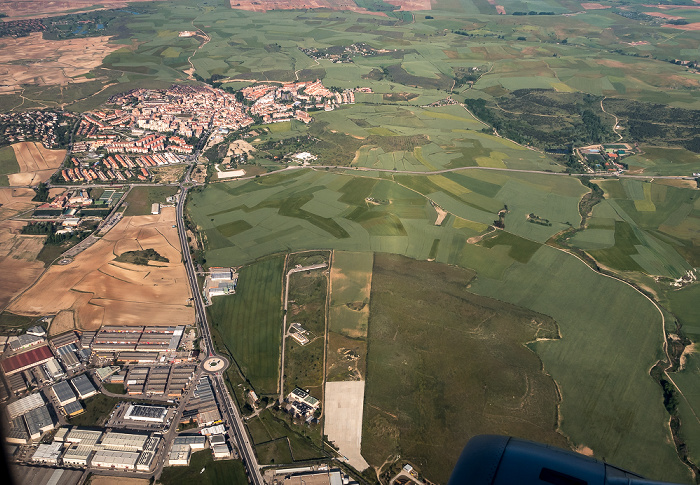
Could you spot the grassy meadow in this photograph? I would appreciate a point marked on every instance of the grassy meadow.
(250, 323)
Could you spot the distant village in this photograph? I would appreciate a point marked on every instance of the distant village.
(151, 128)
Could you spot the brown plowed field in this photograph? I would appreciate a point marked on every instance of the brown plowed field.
(36, 163)
(40, 8)
(18, 265)
(33, 60)
(101, 291)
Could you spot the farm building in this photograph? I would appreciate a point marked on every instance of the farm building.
(84, 386)
(36, 330)
(155, 208)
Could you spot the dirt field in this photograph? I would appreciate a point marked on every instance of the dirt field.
(594, 6)
(105, 480)
(62, 322)
(99, 290)
(18, 265)
(664, 16)
(14, 201)
(343, 423)
(36, 163)
(33, 60)
(15, 9)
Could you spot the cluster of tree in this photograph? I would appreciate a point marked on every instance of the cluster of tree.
(42, 192)
(532, 12)
(47, 229)
(535, 219)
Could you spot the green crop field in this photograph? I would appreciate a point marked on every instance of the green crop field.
(250, 322)
(445, 364)
(610, 337)
(140, 199)
(303, 365)
(277, 441)
(8, 161)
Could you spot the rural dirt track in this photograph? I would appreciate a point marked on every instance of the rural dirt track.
(99, 290)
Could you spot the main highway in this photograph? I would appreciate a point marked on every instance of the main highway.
(226, 405)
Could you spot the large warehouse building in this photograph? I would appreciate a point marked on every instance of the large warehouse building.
(84, 386)
(63, 393)
(121, 460)
(26, 360)
(151, 414)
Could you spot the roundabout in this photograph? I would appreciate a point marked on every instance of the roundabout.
(215, 364)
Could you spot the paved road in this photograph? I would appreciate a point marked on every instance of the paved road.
(448, 170)
(228, 409)
(284, 317)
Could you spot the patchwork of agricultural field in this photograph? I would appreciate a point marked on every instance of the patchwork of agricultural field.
(492, 325)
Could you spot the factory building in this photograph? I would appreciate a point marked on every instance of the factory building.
(151, 414)
(77, 455)
(48, 454)
(73, 409)
(24, 405)
(63, 393)
(78, 436)
(54, 369)
(113, 440)
(38, 422)
(120, 460)
(26, 360)
(194, 441)
(179, 455)
(84, 386)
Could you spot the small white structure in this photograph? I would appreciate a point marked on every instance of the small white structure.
(221, 451)
(155, 208)
(37, 331)
(48, 454)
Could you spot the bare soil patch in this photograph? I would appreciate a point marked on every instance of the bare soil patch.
(664, 16)
(15, 9)
(99, 290)
(33, 60)
(36, 163)
(18, 265)
(594, 6)
(15, 201)
(62, 322)
(105, 480)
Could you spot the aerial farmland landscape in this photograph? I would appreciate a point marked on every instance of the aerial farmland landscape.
(281, 242)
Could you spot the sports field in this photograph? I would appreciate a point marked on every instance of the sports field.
(250, 322)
